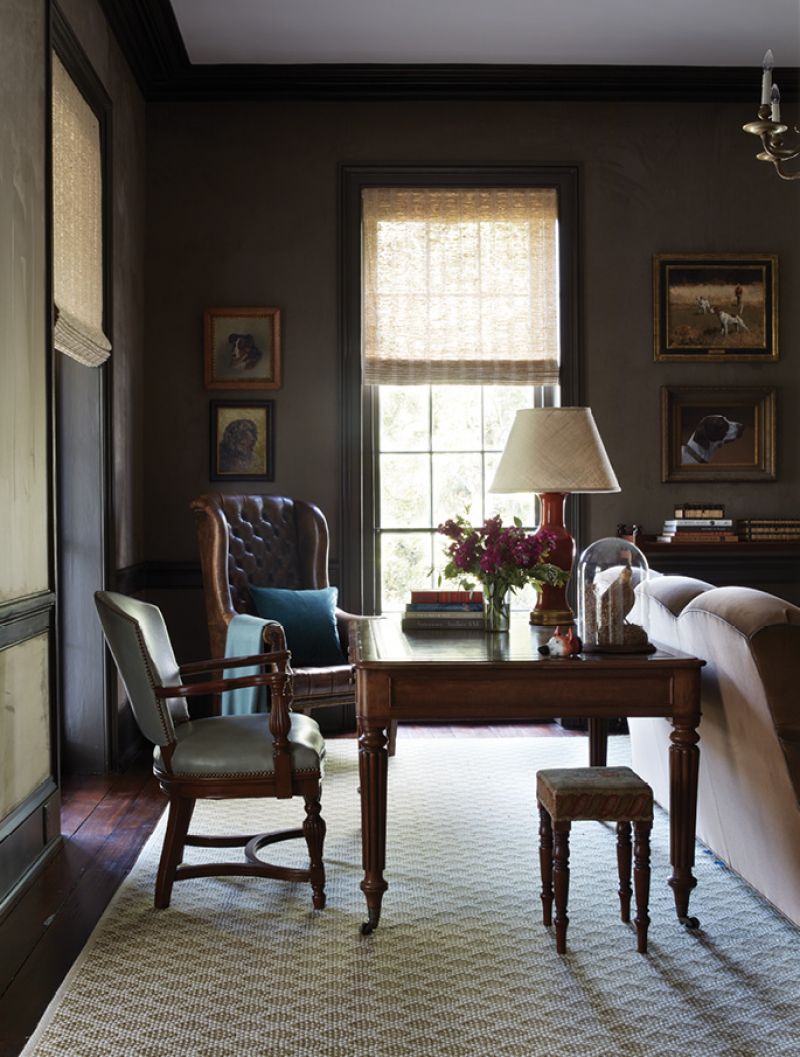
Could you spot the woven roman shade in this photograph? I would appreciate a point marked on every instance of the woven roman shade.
(77, 224)
(460, 286)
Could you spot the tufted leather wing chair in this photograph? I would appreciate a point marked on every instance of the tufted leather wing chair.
(268, 541)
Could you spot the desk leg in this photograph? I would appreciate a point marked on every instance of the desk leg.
(372, 768)
(684, 764)
(598, 741)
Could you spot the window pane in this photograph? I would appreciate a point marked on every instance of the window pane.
(405, 491)
(406, 562)
(501, 403)
(404, 422)
(457, 487)
(525, 598)
(456, 416)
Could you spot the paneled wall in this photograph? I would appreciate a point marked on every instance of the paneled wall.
(28, 782)
(29, 724)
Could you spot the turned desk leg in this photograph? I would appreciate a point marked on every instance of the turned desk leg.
(373, 760)
(684, 765)
(598, 741)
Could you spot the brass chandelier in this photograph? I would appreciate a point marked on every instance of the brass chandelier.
(770, 127)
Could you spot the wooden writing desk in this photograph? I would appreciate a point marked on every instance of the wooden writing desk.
(468, 676)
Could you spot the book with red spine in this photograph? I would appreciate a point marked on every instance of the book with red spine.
(450, 598)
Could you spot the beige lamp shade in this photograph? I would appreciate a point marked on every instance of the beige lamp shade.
(554, 449)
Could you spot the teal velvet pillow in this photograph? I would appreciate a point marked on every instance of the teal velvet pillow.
(309, 620)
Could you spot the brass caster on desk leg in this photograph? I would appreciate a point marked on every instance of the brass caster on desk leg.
(369, 926)
(690, 922)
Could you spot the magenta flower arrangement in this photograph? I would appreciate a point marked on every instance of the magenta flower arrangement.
(500, 558)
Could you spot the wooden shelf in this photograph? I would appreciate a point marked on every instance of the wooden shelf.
(769, 565)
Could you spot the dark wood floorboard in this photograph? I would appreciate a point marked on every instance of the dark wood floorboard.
(105, 821)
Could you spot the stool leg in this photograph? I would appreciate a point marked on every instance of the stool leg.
(641, 881)
(546, 864)
(561, 882)
(624, 867)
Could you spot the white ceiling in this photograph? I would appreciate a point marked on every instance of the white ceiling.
(540, 32)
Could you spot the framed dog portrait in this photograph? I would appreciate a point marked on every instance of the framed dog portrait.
(717, 434)
(715, 307)
(242, 447)
(242, 348)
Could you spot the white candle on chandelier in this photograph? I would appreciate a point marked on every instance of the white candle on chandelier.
(766, 78)
(775, 100)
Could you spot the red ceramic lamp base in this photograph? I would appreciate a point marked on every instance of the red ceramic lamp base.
(552, 608)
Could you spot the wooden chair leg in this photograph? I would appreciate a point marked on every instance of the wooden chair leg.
(180, 815)
(314, 831)
(546, 864)
(561, 882)
(392, 737)
(624, 867)
(641, 881)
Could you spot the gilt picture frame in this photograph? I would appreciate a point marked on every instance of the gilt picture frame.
(242, 348)
(715, 307)
(242, 440)
(714, 433)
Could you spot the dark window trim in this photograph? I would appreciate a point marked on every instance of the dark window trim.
(357, 424)
(69, 50)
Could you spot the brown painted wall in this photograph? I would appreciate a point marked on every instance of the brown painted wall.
(242, 209)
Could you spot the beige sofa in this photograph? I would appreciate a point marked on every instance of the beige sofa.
(748, 808)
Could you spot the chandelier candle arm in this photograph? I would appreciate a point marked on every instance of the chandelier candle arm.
(766, 77)
(769, 127)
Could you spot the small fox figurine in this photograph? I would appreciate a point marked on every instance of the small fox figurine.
(562, 645)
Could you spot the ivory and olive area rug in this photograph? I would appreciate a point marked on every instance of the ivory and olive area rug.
(460, 966)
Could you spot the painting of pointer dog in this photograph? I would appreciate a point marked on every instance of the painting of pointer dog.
(718, 433)
(242, 348)
(715, 308)
(708, 437)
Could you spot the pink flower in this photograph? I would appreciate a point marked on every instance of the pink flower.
(497, 555)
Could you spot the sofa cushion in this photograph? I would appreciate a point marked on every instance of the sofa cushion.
(659, 603)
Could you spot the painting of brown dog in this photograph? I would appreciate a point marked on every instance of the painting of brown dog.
(242, 348)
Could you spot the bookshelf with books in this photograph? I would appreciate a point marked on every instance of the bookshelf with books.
(702, 541)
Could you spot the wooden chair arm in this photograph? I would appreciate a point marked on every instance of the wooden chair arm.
(215, 663)
(219, 686)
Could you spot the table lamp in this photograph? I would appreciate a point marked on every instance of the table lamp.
(554, 451)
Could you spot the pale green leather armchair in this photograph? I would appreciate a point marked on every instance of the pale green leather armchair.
(276, 755)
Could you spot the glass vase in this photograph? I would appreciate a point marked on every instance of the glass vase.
(496, 607)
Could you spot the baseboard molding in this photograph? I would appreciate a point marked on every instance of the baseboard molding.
(28, 845)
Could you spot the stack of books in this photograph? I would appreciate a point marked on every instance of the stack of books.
(444, 610)
(699, 511)
(770, 530)
(699, 530)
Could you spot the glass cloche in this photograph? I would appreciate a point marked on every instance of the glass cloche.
(611, 611)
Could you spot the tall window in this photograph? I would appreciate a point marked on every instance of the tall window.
(438, 449)
(77, 223)
(461, 328)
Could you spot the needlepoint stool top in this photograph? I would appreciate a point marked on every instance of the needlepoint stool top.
(607, 794)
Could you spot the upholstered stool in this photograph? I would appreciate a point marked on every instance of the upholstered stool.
(600, 794)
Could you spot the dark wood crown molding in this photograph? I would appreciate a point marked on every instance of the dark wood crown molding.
(149, 36)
